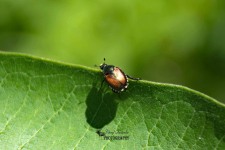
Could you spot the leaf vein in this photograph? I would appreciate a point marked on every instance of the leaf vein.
(49, 120)
(18, 110)
(189, 123)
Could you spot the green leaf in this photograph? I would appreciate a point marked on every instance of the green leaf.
(51, 105)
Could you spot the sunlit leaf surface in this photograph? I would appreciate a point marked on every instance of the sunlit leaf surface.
(51, 105)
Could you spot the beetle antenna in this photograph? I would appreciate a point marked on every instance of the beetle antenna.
(104, 61)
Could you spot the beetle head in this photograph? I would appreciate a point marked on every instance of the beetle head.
(102, 66)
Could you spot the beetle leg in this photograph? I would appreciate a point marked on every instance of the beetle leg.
(133, 78)
(101, 84)
(115, 91)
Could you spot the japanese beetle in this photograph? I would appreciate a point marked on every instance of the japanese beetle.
(115, 77)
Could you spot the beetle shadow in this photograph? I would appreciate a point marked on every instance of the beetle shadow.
(101, 107)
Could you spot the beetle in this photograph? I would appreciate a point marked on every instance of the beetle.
(115, 77)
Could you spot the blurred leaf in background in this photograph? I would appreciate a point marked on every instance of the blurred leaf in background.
(180, 42)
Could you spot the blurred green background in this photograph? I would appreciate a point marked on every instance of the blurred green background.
(179, 42)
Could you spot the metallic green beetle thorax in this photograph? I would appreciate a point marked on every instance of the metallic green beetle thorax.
(108, 69)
